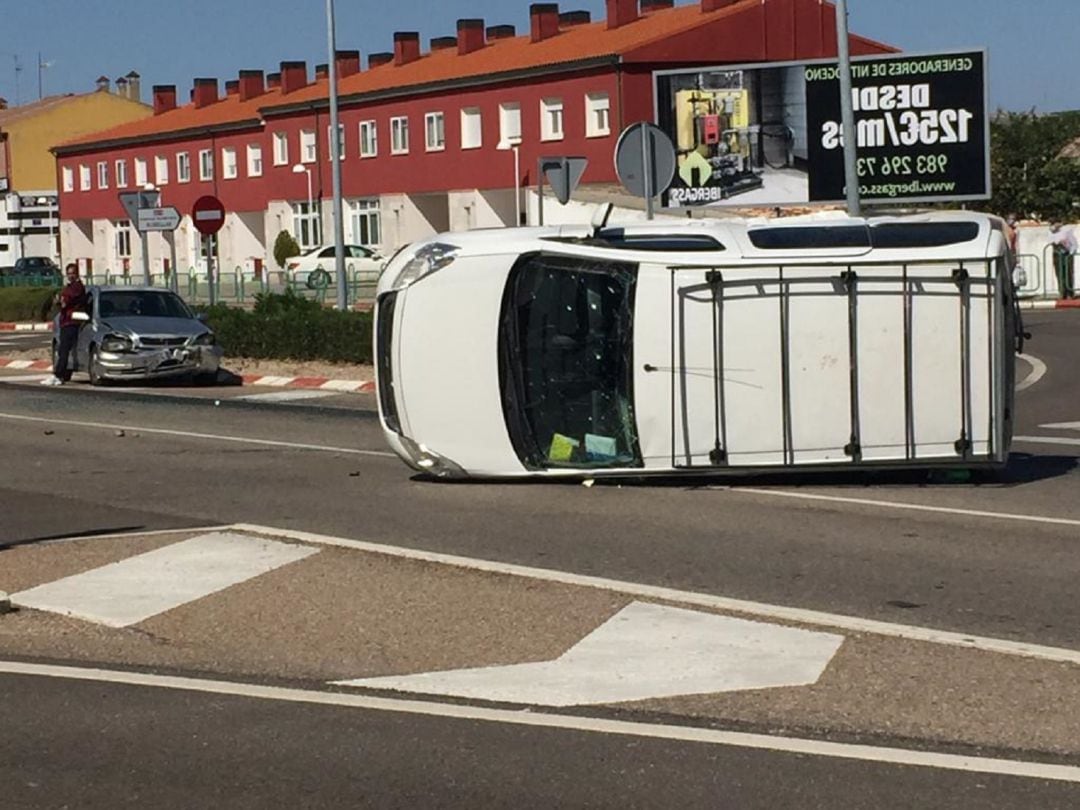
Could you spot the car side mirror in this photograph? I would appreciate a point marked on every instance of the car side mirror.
(79, 316)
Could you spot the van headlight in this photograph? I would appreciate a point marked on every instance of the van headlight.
(205, 339)
(423, 262)
(427, 460)
(117, 343)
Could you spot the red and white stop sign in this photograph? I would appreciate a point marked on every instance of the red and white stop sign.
(208, 215)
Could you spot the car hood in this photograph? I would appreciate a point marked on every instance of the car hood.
(177, 327)
(447, 368)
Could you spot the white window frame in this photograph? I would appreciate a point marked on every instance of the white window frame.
(330, 142)
(281, 148)
(510, 122)
(183, 167)
(206, 165)
(551, 119)
(369, 139)
(142, 176)
(307, 224)
(254, 160)
(364, 214)
(161, 170)
(399, 135)
(103, 174)
(597, 115)
(85, 177)
(123, 239)
(434, 131)
(229, 170)
(120, 170)
(69, 178)
(308, 149)
(472, 128)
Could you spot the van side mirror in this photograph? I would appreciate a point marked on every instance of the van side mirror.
(79, 316)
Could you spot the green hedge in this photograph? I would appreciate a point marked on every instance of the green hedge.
(26, 303)
(288, 327)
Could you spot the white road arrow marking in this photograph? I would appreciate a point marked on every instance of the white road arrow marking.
(1062, 426)
(644, 651)
(133, 590)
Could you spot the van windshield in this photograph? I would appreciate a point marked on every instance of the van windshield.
(566, 365)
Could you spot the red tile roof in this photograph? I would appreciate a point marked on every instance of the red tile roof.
(511, 55)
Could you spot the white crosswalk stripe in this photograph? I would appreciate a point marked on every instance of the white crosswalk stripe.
(132, 590)
(288, 396)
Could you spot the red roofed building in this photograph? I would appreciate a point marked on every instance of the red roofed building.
(428, 133)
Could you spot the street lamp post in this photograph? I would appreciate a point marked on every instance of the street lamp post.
(514, 143)
(299, 168)
(335, 162)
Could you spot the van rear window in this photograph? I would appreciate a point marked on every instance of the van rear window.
(884, 235)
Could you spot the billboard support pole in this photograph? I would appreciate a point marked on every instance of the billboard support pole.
(847, 111)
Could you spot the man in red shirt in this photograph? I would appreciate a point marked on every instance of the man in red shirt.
(72, 299)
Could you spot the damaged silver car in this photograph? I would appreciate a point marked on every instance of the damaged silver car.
(140, 333)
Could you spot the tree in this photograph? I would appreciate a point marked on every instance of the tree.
(1030, 176)
(285, 247)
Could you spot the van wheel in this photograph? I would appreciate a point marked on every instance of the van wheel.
(93, 368)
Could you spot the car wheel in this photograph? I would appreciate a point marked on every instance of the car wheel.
(318, 280)
(93, 368)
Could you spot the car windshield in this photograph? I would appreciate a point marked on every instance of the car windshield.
(566, 363)
(142, 304)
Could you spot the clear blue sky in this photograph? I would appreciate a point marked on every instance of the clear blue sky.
(1034, 51)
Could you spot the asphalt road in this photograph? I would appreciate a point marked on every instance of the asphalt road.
(993, 558)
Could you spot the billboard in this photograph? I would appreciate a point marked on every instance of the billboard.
(766, 136)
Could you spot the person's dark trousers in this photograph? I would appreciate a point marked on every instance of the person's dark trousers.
(1063, 263)
(69, 335)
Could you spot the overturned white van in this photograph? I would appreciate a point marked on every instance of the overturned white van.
(700, 347)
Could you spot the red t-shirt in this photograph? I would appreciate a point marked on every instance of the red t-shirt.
(72, 299)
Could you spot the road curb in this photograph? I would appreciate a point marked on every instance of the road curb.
(309, 383)
(5, 602)
(1072, 303)
(26, 327)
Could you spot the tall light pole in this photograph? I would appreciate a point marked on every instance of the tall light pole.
(299, 168)
(335, 162)
(514, 143)
(847, 111)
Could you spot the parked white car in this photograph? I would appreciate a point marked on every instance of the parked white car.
(700, 347)
(315, 268)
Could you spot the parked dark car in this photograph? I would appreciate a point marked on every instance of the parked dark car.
(35, 267)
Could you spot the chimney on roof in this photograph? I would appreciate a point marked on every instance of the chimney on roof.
(232, 87)
(251, 84)
(649, 6)
(470, 36)
(121, 87)
(381, 58)
(406, 47)
(273, 81)
(102, 84)
(347, 63)
(134, 90)
(543, 21)
(621, 12)
(322, 71)
(204, 93)
(715, 5)
(569, 19)
(164, 98)
(3, 103)
(500, 32)
(293, 76)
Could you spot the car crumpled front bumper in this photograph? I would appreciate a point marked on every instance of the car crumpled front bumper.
(154, 362)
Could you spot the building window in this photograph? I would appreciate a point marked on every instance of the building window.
(369, 139)
(123, 239)
(228, 163)
(281, 148)
(472, 136)
(551, 120)
(69, 179)
(121, 174)
(365, 221)
(307, 225)
(399, 135)
(434, 131)
(103, 174)
(161, 170)
(330, 142)
(183, 167)
(254, 160)
(140, 172)
(307, 146)
(206, 164)
(84, 178)
(597, 115)
(510, 123)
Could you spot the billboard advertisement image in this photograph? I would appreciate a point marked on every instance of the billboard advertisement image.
(771, 136)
